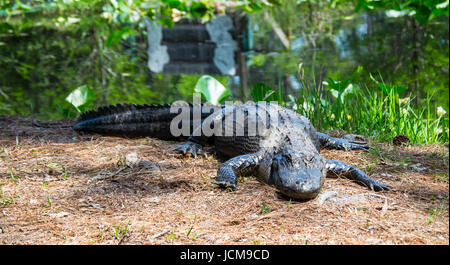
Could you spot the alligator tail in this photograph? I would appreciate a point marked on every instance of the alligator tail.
(132, 120)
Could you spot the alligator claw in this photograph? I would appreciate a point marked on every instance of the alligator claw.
(357, 146)
(376, 186)
(190, 148)
(225, 184)
(342, 144)
(353, 142)
(371, 183)
(339, 167)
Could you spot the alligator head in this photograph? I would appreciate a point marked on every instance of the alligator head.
(297, 174)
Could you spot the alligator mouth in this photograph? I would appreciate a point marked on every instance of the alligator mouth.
(299, 195)
(299, 183)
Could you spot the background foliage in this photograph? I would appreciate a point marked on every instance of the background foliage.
(50, 48)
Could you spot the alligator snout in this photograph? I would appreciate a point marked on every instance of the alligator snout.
(304, 185)
(297, 179)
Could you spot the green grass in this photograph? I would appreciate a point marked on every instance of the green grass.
(289, 204)
(49, 202)
(121, 230)
(6, 200)
(374, 110)
(13, 178)
(188, 233)
(171, 236)
(265, 207)
(435, 211)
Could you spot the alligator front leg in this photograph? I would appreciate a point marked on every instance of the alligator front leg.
(329, 142)
(229, 171)
(340, 168)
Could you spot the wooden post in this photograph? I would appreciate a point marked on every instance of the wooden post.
(243, 74)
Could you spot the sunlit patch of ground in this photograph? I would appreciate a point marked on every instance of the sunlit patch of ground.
(58, 187)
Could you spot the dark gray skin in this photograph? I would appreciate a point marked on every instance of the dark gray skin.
(284, 153)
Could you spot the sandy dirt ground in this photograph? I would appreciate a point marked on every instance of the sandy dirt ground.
(57, 187)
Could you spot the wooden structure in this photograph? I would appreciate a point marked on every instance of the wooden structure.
(190, 47)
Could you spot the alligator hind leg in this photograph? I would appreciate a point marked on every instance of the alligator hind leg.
(329, 142)
(337, 167)
(228, 171)
(190, 148)
(197, 139)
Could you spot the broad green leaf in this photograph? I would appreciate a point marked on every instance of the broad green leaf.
(212, 90)
(341, 95)
(399, 89)
(349, 90)
(336, 85)
(324, 103)
(176, 4)
(387, 89)
(334, 93)
(382, 86)
(80, 96)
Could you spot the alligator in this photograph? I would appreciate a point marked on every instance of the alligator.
(276, 144)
